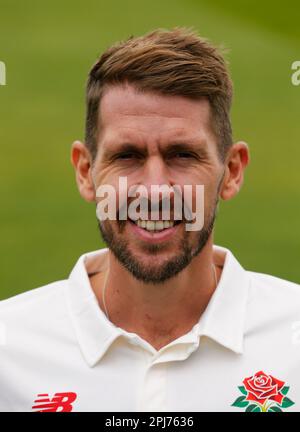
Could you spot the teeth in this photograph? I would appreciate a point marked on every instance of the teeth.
(159, 225)
(154, 225)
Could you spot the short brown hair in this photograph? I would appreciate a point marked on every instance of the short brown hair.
(172, 62)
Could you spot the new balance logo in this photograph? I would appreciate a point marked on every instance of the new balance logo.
(60, 402)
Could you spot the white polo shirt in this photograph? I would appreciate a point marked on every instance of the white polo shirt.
(59, 352)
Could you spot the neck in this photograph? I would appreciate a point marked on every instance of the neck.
(159, 313)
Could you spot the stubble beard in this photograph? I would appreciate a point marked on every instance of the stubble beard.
(167, 269)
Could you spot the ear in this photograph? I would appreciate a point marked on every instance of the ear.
(237, 159)
(82, 161)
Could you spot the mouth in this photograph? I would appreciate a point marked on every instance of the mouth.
(154, 231)
(155, 226)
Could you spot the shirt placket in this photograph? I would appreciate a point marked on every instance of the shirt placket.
(153, 388)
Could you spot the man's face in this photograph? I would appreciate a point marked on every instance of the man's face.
(155, 139)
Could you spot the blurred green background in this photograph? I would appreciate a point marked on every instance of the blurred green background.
(48, 48)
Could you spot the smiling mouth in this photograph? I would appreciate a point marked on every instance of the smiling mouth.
(155, 226)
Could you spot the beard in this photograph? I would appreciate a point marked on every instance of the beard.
(163, 269)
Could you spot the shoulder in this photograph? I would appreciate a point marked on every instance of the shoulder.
(273, 284)
(273, 298)
(41, 300)
(34, 323)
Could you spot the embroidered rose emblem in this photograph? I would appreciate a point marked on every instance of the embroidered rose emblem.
(262, 393)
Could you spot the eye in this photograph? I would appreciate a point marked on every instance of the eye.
(126, 155)
(183, 155)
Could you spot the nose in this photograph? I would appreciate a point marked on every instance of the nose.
(155, 172)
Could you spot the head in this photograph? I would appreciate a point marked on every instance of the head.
(158, 113)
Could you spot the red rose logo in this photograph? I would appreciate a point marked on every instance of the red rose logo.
(262, 387)
(262, 392)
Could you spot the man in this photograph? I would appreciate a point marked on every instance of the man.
(162, 319)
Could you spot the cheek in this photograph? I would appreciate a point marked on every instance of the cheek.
(111, 175)
(203, 195)
(102, 178)
(106, 185)
(210, 193)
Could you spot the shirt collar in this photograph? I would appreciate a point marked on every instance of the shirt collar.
(222, 320)
(94, 332)
(224, 317)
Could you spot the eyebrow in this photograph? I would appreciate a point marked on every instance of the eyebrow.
(182, 145)
(191, 146)
(125, 147)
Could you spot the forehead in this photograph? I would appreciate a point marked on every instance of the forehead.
(129, 114)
